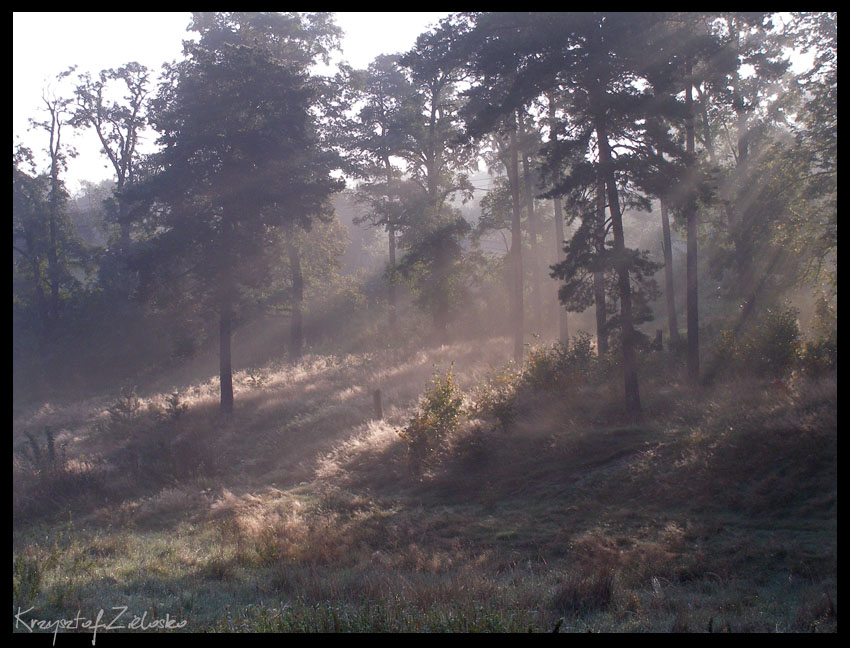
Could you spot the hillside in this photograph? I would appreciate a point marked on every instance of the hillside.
(715, 512)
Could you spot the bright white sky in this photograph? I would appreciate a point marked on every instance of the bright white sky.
(46, 43)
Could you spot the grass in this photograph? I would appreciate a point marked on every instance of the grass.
(716, 512)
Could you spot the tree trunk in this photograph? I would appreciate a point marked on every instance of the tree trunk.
(560, 255)
(225, 366)
(533, 232)
(53, 249)
(740, 238)
(123, 217)
(691, 216)
(672, 322)
(296, 334)
(391, 294)
(516, 249)
(706, 129)
(632, 392)
(598, 276)
(563, 326)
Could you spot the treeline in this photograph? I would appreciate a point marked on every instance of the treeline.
(580, 118)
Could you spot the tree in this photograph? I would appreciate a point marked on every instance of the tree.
(381, 132)
(59, 116)
(740, 93)
(529, 144)
(30, 238)
(563, 326)
(504, 142)
(117, 126)
(436, 160)
(815, 231)
(241, 159)
(598, 64)
(308, 260)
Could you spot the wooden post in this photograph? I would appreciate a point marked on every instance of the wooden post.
(376, 401)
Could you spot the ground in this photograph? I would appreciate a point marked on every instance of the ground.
(716, 511)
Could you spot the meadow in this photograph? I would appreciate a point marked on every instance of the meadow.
(538, 511)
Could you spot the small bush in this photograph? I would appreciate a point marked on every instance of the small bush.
(770, 349)
(27, 577)
(44, 460)
(546, 368)
(496, 399)
(559, 368)
(774, 347)
(825, 320)
(48, 480)
(174, 409)
(472, 449)
(439, 414)
(819, 357)
(588, 590)
(124, 411)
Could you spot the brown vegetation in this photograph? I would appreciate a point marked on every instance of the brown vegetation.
(716, 512)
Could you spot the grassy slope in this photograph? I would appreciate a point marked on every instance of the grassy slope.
(717, 512)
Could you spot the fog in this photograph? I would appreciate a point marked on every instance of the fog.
(530, 326)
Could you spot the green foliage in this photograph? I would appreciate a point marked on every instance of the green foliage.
(434, 264)
(439, 413)
(47, 459)
(558, 368)
(771, 348)
(819, 357)
(27, 577)
(497, 398)
(774, 346)
(174, 409)
(825, 320)
(125, 410)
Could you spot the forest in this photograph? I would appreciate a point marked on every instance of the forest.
(530, 328)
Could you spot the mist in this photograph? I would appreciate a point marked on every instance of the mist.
(529, 327)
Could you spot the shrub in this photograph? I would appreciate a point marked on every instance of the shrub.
(825, 320)
(588, 590)
(439, 414)
(46, 460)
(819, 357)
(546, 368)
(174, 409)
(496, 398)
(124, 411)
(27, 577)
(771, 348)
(46, 480)
(774, 346)
(558, 368)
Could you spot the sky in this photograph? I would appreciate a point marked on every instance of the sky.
(47, 43)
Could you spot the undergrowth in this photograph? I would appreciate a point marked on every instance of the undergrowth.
(716, 513)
